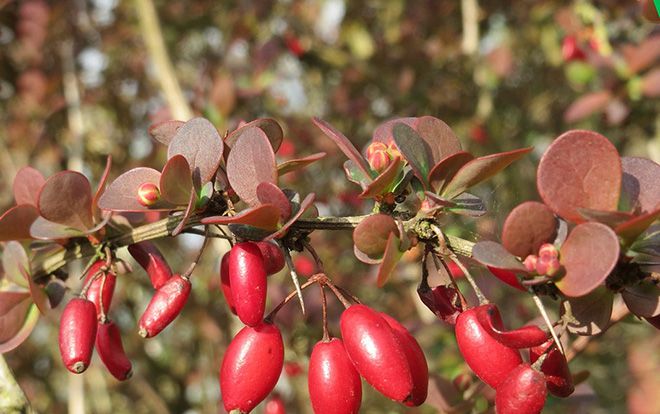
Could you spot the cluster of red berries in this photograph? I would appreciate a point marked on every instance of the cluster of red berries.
(545, 263)
(85, 321)
(494, 356)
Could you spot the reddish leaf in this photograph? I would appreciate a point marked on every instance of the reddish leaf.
(467, 204)
(439, 137)
(176, 181)
(480, 169)
(589, 254)
(42, 229)
(364, 258)
(14, 261)
(122, 193)
(446, 168)
(414, 150)
(27, 183)
(643, 299)
(586, 105)
(186, 214)
(299, 163)
(372, 234)
(345, 146)
(165, 131)
(306, 204)
(66, 198)
(10, 299)
(200, 143)
(640, 184)
(525, 337)
(251, 162)
(101, 187)
(651, 84)
(383, 132)
(580, 169)
(591, 313)
(385, 181)
(269, 193)
(15, 223)
(269, 126)
(609, 218)
(26, 319)
(527, 227)
(265, 217)
(631, 229)
(391, 257)
(641, 56)
(490, 253)
(246, 232)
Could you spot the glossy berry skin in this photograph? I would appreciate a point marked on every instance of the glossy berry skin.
(152, 261)
(165, 306)
(247, 278)
(102, 288)
(489, 359)
(272, 255)
(522, 392)
(416, 359)
(148, 194)
(557, 375)
(376, 352)
(77, 334)
(334, 384)
(251, 366)
(111, 351)
(225, 284)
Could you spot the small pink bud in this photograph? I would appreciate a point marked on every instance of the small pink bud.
(530, 263)
(548, 249)
(546, 265)
(375, 147)
(148, 194)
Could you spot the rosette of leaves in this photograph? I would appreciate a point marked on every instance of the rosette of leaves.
(597, 209)
(432, 165)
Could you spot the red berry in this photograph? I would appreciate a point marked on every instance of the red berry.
(557, 375)
(416, 359)
(111, 351)
(247, 278)
(225, 284)
(150, 258)
(77, 334)
(251, 366)
(507, 277)
(454, 269)
(442, 300)
(102, 288)
(165, 306)
(304, 265)
(525, 337)
(570, 50)
(522, 392)
(292, 369)
(334, 384)
(275, 405)
(273, 257)
(376, 352)
(489, 359)
(148, 194)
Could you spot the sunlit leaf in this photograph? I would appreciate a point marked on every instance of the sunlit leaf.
(355, 175)
(468, 205)
(385, 180)
(200, 143)
(186, 214)
(14, 259)
(587, 105)
(15, 223)
(66, 198)
(165, 131)
(29, 322)
(443, 300)
(445, 169)
(439, 137)
(269, 193)
(27, 183)
(372, 234)
(346, 146)
(299, 163)
(306, 204)
(640, 184)
(269, 126)
(122, 193)
(414, 150)
(176, 181)
(591, 312)
(609, 218)
(527, 227)
(391, 257)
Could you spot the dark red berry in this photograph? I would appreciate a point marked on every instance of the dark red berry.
(334, 384)
(150, 258)
(247, 278)
(251, 366)
(272, 255)
(555, 367)
(111, 351)
(165, 306)
(102, 288)
(376, 352)
(522, 392)
(507, 277)
(416, 359)
(225, 284)
(77, 334)
(488, 358)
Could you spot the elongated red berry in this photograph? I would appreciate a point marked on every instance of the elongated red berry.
(522, 392)
(376, 352)
(524, 337)
(416, 359)
(152, 261)
(488, 358)
(247, 278)
(272, 255)
(102, 288)
(111, 351)
(557, 375)
(251, 366)
(77, 334)
(334, 383)
(165, 306)
(225, 283)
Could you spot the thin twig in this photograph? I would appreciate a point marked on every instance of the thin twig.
(546, 319)
(324, 311)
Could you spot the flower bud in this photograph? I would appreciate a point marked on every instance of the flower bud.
(148, 194)
(530, 263)
(548, 249)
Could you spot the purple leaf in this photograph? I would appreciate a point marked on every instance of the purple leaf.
(200, 143)
(9, 299)
(439, 137)
(264, 217)
(345, 146)
(445, 169)
(165, 131)
(372, 234)
(101, 187)
(609, 218)
(186, 214)
(527, 227)
(122, 193)
(66, 198)
(414, 150)
(391, 257)
(580, 169)
(385, 181)
(631, 229)
(591, 313)
(640, 184)
(589, 254)
(15, 223)
(27, 183)
(493, 254)
(28, 319)
(587, 105)
(269, 193)
(176, 182)
(251, 161)
(643, 299)
(304, 205)
(383, 132)
(480, 169)
(269, 126)
(299, 163)
(42, 229)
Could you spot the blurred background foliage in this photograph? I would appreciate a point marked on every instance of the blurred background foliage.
(78, 83)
